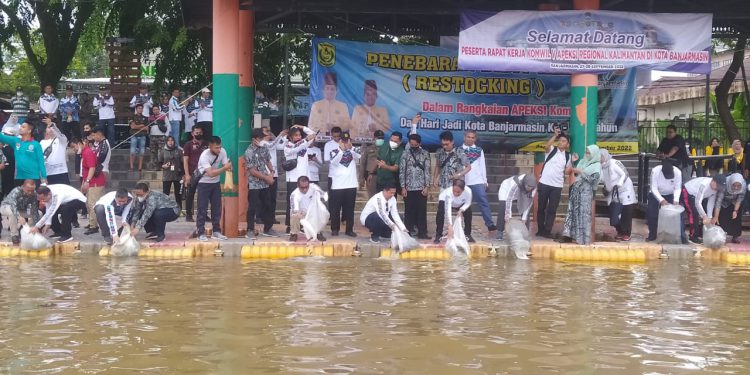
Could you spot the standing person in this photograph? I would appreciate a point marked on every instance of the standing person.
(93, 183)
(618, 188)
(138, 131)
(368, 117)
(296, 149)
(666, 187)
(8, 171)
(20, 105)
(454, 199)
(380, 215)
(260, 178)
(175, 113)
(556, 161)
(62, 203)
(204, 107)
(102, 148)
(144, 98)
(369, 162)
(106, 106)
(476, 178)
(577, 225)
(109, 208)
(170, 160)
(54, 148)
(158, 131)
(737, 163)
(713, 167)
(414, 176)
(314, 163)
(343, 192)
(451, 164)
(521, 188)
(27, 154)
(274, 144)
(730, 216)
(19, 207)
(48, 102)
(209, 188)
(389, 157)
(694, 192)
(69, 108)
(329, 146)
(302, 198)
(152, 211)
(673, 146)
(191, 152)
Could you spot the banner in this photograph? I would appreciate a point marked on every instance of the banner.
(576, 41)
(363, 87)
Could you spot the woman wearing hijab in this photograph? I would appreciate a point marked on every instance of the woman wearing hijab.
(730, 216)
(618, 187)
(578, 221)
(737, 163)
(521, 188)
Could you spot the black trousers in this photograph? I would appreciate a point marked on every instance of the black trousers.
(501, 216)
(189, 200)
(416, 212)
(440, 221)
(377, 226)
(626, 221)
(209, 193)
(290, 186)
(341, 204)
(259, 206)
(733, 227)
(61, 178)
(63, 217)
(273, 193)
(159, 219)
(549, 200)
(652, 215)
(71, 130)
(167, 187)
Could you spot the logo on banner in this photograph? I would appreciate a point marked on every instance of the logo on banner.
(326, 54)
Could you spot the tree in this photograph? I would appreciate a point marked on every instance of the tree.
(60, 24)
(722, 89)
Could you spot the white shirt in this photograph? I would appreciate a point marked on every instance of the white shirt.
(154, 128)
(343, 170)
(298, 150)
(147, 104)
(273, 147)
(205, 162)
(301, 202)
(48, 104)
(175, 109)
(313, 167)
(61, 194)
(56, 163)
(189, 121)
(327, 148)
(509, 192)
(108, 201)
(106, 107)
(553, 173)
(478, 173)
(700, 188)
(205, 114)
(383, 208)
(615, 174)
(661, 186)
(462, 202)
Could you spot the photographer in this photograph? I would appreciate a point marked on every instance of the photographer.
(556, 161)
(106, 106)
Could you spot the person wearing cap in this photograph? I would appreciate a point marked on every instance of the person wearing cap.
(367, 117)
(204, 110)
(69, 108)
(694, 193)
(48, 102)
(343, 192)
(618, 187)
(666, 186)
(369, 162)
(20, 105)
(105, 103)
(521, 188)
(28, 155)
(143, 97)
(327, 113)
(175, 113)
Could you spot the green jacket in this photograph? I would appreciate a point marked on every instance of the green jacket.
(390, 157)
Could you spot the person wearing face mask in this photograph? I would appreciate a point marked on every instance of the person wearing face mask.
(20, 105)
(389, 157)
(369, 162)
(54, 146)
(414, 175)
(521, 188)
(343, 192)
(111, 207)
(260, 177)
(330, 146)
(29, 156)
(296, 149)
(170, 160)
(19, 207)
(212, 163)
(191, 152)
(152, 211)
(451, 164)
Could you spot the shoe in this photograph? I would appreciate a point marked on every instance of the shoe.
(218, 236)
(321, 237)
(75, 224)
(15, 240)
(91, 231)
(374, 239)
(650, 239)
(565, 239)
(288, 230)
(492, 228)
(64, 239)
(151, 236)
(351, 234)
(436, 240)
(159, 238)
(276, 221)
(293, 237)
(625, 238)
(252, 235)
(189, 219)
(334, 233)
(470, 239)
(618, 237)
(108, 241)
(54, 235)
(499, 236)
(735, 239)
(202, 238)
(270, 233)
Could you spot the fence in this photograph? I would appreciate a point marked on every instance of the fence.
(695, 132)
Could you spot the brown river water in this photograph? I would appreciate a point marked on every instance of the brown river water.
(85, 315)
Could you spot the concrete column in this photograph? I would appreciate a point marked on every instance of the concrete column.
(584, 101)
(225, 89)
(245, 100)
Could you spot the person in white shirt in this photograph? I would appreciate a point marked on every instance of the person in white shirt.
(63, 203)
(175, 113)
(695, 192)
(380, 214)
(69, 108)
(54, 146)
(304, 195)
(521, 188)
(112, 211)
(314, 163)
(330, 146)
(48, 102)
(476, 178)
(143, 97)
(666, 185)
(204, 111)
(296, 149)
(209, 188)
(619, 189)
(344, 183)
(455, 198)
(106, 106)
(557, 160)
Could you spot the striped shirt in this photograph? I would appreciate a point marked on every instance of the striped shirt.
(20, 105)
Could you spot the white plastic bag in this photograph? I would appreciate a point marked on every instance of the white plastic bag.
(33, 241)
(714, 236)
(126, 246)
(670, 226)
(518, 235)
(402, 242)
(315, 219)
(458, 245)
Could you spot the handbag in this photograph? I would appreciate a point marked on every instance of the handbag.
(615, 208)
(197, 175)
(288, 165)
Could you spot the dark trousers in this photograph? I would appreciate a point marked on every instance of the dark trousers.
(549, 200)
(626, 221)
(167, 187)
(159, 219)
(377, 226)
(440, 221)
(61, 178)
(695, 222)
(341, 205)
(101, 219)
(20, 182)
(416, 212)
(652, 215)
(273, 193)
(290, 186)
(71, 130)
(189, 200)
(259, 206)
(501, 216)
(209, 194)
(208, 128)
(63, 217)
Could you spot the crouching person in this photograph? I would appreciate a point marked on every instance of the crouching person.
(112, 212)
(730, 216)
(380, 214)
(301, 199)
(62, 204)
(693, 194)
(520, 188)
(152, 211)
(19, 207)
(455, 198)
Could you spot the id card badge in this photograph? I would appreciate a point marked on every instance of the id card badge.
(171, 167)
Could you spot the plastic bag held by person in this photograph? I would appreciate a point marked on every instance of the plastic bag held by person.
(518, 235)
(670, 226)
(316, 218)
(228, 182)
(402, 242)
(458, 244)
(126, 246)
(33, 241)
(714, 236)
